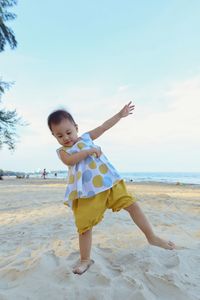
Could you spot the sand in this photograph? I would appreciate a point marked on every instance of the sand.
(39, 245)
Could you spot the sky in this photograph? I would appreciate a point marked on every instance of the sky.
(93, 57)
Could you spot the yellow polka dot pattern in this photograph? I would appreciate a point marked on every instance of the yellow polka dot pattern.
(81, 145)
(73, 195)
(97, 181)
(71, 179)
(103, 168)
(79, 174)
(92, 165)
(89, 177)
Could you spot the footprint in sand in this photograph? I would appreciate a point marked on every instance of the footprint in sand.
(117, 268)
(172, 261)
(131, 282)
(165, 285)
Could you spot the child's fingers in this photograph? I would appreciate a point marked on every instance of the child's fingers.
(98, 152)
(130, 104)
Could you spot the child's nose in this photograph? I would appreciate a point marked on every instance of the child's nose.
(66, 137)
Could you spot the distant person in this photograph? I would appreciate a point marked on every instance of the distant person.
(44, 173)
(93, 183)
(55, 174)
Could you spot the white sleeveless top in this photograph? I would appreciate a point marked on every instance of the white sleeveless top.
(91, 175)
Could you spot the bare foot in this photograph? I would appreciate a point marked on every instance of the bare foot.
(156, 241)
(83, 266)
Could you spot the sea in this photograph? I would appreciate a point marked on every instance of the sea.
(163, 177)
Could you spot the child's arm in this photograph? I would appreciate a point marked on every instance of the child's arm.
(126, 110)
(72, 159)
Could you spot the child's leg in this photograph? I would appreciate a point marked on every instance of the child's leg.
(141, 221)
(85, 243)
(88, 212)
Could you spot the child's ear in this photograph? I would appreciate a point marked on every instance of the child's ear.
(76, 125)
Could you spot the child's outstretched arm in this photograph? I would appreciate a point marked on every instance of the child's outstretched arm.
(124, 112)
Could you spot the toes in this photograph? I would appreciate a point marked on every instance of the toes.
(171, 245)
(82, 267)
(79, 270)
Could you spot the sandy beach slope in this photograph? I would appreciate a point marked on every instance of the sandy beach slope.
(39, 246)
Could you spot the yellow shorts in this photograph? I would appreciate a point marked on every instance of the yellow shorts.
(90, 211)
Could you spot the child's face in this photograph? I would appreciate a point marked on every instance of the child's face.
(65, 132)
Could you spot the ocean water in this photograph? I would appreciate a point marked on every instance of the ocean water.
(164, 177)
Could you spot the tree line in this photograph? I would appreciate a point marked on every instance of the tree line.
(9, 119)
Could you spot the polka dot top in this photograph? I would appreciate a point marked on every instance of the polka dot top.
(91, 175)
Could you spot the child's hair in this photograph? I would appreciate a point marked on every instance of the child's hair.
(57, 116)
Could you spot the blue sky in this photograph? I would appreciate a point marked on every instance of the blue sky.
(92, 57)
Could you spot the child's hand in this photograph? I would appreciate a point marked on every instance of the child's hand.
(127, 110)
(95, 151)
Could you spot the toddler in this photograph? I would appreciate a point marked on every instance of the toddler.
(93, 183)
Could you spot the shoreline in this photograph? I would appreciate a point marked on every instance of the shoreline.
(63, 180)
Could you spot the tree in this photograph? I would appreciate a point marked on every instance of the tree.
(1, 174)
(8, 122)
(6, 33)
(8, 119)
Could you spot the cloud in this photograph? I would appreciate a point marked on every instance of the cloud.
(164, 121)
(178, 119)
(173, 117)
(123, 88)
(181, 121)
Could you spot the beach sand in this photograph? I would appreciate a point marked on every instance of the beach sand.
(39, 245)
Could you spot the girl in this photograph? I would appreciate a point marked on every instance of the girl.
(93, 183)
